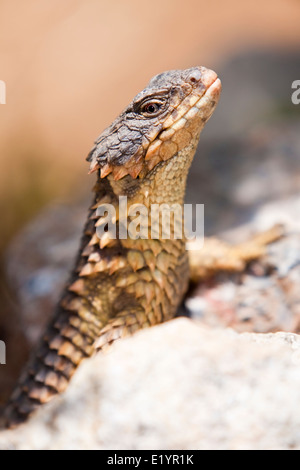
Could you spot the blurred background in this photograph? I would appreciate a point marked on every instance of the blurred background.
(71, 66)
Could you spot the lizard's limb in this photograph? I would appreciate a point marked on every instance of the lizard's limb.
(216, 255)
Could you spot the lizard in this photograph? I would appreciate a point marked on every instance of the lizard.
(120, 285)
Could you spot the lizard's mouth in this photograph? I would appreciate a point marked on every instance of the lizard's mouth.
(197, 103)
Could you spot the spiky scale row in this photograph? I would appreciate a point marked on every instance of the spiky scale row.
(77, 331)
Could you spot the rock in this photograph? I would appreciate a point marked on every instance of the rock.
(177, 386)
(265, 297)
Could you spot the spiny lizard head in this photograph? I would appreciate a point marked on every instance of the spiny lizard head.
(160, 121)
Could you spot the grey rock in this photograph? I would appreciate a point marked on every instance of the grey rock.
(177, 386)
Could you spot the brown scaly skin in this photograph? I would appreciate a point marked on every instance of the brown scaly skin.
(119, 286)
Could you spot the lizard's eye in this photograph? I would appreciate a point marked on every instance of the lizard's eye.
(151, 108)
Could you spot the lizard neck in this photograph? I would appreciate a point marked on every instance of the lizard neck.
(161, 190)
(166, 183)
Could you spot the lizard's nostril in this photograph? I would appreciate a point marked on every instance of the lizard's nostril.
(195, 76)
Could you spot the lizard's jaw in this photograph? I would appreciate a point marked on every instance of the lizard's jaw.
(186, 122)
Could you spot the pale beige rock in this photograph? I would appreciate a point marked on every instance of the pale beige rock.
(177, 386)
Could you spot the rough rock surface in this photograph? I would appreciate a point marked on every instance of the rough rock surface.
(177, 386)
(266, 296)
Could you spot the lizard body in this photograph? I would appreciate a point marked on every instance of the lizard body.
(121, 285)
